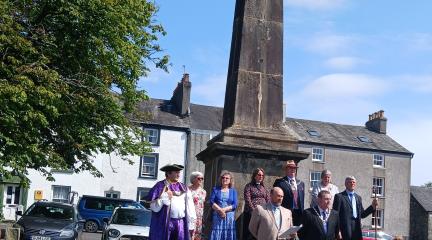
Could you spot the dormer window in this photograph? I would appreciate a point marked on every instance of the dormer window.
(364, 139)
(313, 133)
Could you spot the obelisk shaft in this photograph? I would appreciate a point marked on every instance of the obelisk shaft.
(253, 97)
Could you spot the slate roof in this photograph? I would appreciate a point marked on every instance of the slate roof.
(423, 195)
(162, 112)
(343, 135)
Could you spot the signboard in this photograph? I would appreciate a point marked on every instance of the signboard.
(38, 195)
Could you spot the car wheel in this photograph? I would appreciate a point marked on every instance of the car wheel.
(91, 226)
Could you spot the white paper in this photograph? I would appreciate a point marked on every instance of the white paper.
(290, 231)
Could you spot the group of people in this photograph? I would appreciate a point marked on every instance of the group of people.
(177, 209)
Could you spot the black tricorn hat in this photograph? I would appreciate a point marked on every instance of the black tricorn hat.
(172, 167)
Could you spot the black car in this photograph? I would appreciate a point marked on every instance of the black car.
(50, 221)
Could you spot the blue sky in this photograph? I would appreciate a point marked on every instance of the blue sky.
(343, 60)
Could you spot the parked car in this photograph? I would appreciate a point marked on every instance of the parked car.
(128, 223)
(50, 221)
(370, 235)
(95, 209)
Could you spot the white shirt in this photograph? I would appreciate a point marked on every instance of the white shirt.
(177, 207)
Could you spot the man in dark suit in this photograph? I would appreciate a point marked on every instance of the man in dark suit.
(293, 191)
(320, 222)
(351, 211)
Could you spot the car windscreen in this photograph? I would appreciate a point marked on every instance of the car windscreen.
(54, 212)
(131, 217)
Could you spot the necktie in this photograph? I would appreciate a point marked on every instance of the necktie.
(277, 216)
(295, 194)
(353, 204)
(324, 215)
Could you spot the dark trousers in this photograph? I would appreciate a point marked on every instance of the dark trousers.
(355, 233)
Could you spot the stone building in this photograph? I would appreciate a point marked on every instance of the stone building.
(421, 212)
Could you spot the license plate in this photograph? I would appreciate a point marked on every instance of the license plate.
(40, 238)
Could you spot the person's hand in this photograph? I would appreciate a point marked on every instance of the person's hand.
(191, 232)
(170, 194)
(375, 203)
(221, 213)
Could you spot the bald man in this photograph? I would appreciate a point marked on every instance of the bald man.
(269, 221)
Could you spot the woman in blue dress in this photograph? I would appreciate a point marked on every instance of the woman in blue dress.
(223, 200)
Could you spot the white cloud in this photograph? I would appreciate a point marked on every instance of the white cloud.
(414, 134)
(341, 86)
(418, 83)
(315, 4)
(211, 91)
(157, 75)
(343, 63)
(326, 43)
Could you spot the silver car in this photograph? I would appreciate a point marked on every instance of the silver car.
(50, 221)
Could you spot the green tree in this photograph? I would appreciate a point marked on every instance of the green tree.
(428, 184)
(68, 81)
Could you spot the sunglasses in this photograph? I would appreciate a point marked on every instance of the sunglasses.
(225, 177)
(200, 178)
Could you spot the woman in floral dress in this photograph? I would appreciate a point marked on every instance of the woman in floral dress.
(254, 194)
(198, 195)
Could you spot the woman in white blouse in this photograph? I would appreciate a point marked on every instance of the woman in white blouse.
(324, 184)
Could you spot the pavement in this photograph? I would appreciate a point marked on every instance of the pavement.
(91, 236)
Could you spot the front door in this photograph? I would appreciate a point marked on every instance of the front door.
(11, 200)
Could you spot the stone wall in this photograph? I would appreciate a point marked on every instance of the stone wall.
(419, 222)
(197, 142)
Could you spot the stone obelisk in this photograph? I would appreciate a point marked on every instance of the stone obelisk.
(253, 134)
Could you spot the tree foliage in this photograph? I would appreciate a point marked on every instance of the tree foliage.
(68, 77)
(428, 184)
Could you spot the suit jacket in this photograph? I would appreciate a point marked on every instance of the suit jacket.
(313, 227)
(342, 204)
(288, 194)
(263, 224)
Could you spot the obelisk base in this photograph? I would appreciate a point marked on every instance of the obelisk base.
(241, 160)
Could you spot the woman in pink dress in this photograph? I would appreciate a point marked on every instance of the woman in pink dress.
(198, 195)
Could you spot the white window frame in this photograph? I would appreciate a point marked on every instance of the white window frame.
(110, 194)
(61, 200)
(143, 173)
(380, 214)
(152, 135)
(318, 154)
(376, 158)
(379, 184)
(314, 178)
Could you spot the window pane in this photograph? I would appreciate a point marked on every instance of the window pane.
(61, 193)
(151, 135)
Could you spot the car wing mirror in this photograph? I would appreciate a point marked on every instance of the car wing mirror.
(19, 213)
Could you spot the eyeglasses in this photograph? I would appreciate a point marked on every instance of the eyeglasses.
(225, 177)
(200, 178)
(261, 175)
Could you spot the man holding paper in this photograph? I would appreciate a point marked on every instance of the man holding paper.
(271, 220)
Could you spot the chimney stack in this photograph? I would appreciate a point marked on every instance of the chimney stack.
(181, 95)
(377, 122)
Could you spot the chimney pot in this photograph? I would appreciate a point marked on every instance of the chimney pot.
(377, 122)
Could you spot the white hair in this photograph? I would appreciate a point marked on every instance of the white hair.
(195, 175)
(349, 178)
